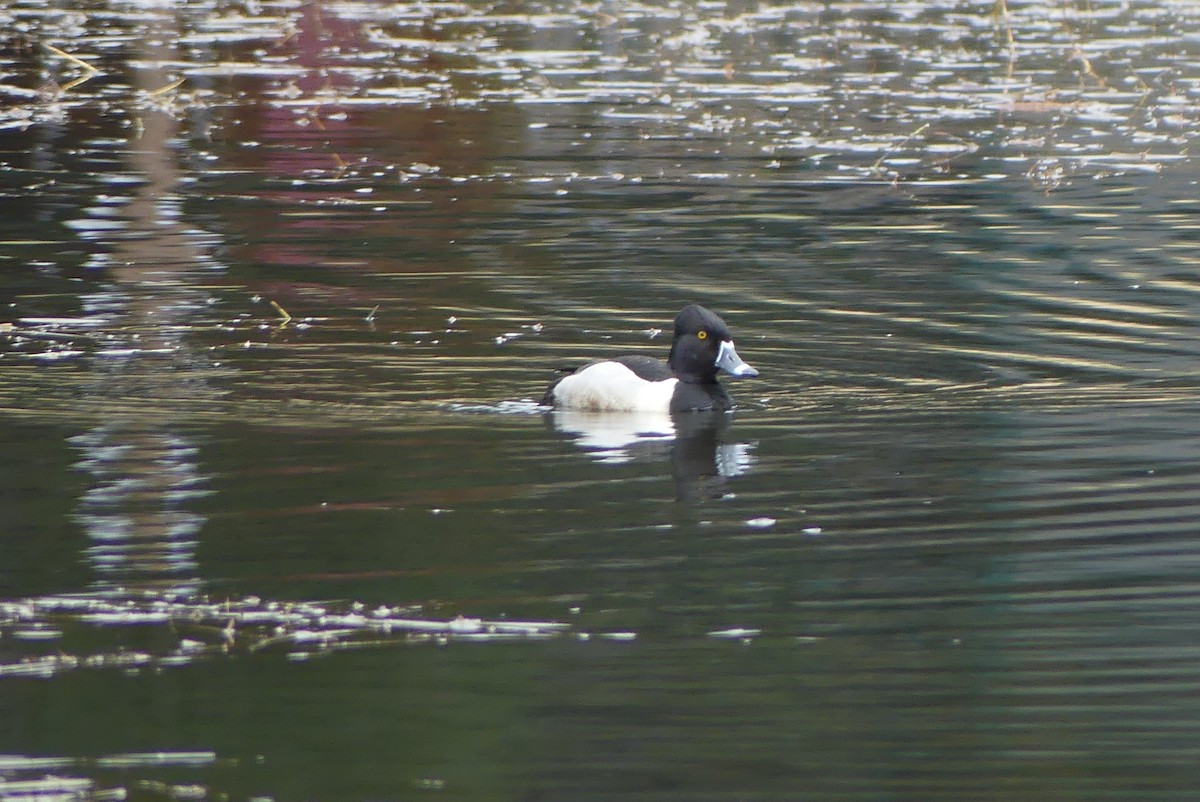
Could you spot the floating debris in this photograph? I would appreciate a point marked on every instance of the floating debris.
(201, 627)
(619, 636)
(134, 759)
(30, 778)
(735, 633)
(37, 633)
(49, 788)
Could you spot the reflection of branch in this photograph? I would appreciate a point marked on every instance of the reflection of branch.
(967, 147)
(1077, 50)
(1087, 67)
(1002, 7)
(898, 145)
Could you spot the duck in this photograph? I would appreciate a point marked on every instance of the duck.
(685, 382)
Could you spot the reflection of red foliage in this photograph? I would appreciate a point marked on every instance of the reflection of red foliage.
(317, 37)
(301, 124)
(333, 188)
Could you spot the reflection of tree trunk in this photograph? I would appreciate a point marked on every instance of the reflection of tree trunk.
(145, 474)
(135, 512)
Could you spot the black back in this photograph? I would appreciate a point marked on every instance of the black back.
(647, 367)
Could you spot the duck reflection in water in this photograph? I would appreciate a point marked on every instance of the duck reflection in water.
(701, 463)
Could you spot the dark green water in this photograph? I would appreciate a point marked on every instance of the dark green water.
(271, 342)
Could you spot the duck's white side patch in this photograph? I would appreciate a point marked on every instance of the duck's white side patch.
(612, 387)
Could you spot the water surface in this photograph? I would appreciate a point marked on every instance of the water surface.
(284, 520)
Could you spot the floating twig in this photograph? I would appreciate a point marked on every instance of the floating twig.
(163, 90)
(341, 165)
(72, 59)
(283, 313)
(90, 72)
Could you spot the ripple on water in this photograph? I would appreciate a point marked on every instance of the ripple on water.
(954, 517)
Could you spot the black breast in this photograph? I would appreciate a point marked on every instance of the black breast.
(690, 397)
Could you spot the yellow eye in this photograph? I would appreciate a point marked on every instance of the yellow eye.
(702, 335)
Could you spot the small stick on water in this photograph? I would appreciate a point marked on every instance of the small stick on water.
(283, 313)
(163, 90)
(341, 165)
(90, 71)
(72, 59)
(370, 318)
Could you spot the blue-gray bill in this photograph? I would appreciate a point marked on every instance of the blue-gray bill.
(729, 361)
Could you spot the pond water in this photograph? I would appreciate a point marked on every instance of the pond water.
(283, 283)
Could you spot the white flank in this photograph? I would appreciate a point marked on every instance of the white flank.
(612, 387)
